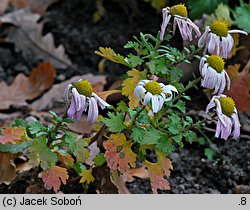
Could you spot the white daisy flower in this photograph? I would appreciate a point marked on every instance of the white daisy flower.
(157, 93)
(217, 39)
(228, 122)
(185, 25)
(213, 75)
(83, 98)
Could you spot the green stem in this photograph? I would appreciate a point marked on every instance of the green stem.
(135, 117)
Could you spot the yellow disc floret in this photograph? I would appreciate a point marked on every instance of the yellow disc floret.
(153, 87)
(83, 87)
(179, 9)
(216, 62)
(227, 105)
(220, 28)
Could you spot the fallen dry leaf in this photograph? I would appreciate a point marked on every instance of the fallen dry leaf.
(119, 182)
(27, 88)
(56, 92)
(36, 6)
(3, 6)
(240, 86)
(26, 33)
(140, 172)
(7, 167)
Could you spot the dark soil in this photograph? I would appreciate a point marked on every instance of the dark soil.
(71, 23)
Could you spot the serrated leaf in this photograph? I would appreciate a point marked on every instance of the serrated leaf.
(190, 136)
(158, 171)
(129, 85)
(53, 177)
(209, 153)
(242, 17)
(36, 127)
(222, 12)
(66, 159)
(108, 53)
(148, 135)
(165, 145)
(77, 146)
(87, 176)
(99, 159)
(121, 106)
(40, 154)
(178, 140)
(115, 122)
(134, 60)
(181, 106)
(13, 135)
(119, 154)
(20, 123)
(199, 7)
(15, 148)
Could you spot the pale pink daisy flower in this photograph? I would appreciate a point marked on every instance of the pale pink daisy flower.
(217, 39)
(157, 93)
(185, 25)
(82, 99)
(213, 75)
(228, 122)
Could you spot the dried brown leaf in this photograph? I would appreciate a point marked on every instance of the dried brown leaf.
(7, 167)
(36, 6)
(240, 87)
(27, 88)
(26, 33)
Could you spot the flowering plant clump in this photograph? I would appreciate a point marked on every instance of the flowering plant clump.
(151, 117)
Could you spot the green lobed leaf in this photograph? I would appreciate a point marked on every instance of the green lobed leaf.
(200, 7)
(165, 145)
(242, 17)
(114, 122)
(190, 136)
(99, 160)
(36, 127)
(40, 154)
(134, 60)
(209, 153)
(15, 148)
(148, 135)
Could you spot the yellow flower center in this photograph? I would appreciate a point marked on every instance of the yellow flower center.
(227, 106)
(220, 28)
(83, 87)
(153, 87)
(179, 9)
(216, 62)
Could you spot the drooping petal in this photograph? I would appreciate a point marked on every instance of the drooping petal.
(100, 101)
(226, 129)
(223, 83)
(237, 31)
(211, 104)
(236, 125)
(93, 110)
(72, 110)
(203, 38)
(147, 98)
(166, 18)
(168, 88)
(218, 129)
(66, 93)
(155, 103)
(76, 97)
(228, 80)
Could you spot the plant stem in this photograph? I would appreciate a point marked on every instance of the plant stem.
(136, 115)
